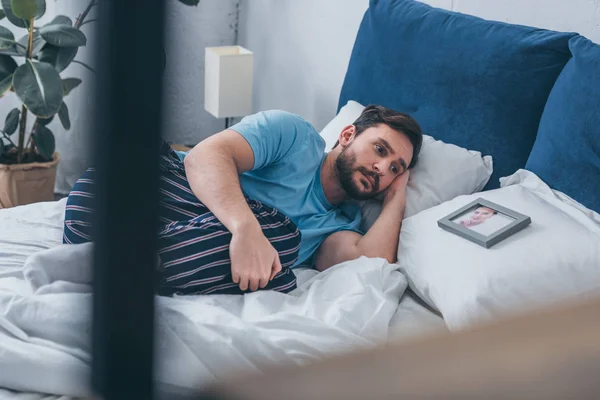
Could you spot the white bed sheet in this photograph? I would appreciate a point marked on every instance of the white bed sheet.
(413, 319)
(44, 326)
(26, 230)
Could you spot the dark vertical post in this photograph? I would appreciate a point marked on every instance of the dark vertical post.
(127, 131)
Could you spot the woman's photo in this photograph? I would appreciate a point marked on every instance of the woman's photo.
(483, 220)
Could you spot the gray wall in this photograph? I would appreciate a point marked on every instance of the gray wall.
(301, 52)
(302, 47)
(190, 30)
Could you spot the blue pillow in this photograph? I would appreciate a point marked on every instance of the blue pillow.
(479, 84)
(566, 153)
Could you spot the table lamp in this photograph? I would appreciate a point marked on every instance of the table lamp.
(228, 82)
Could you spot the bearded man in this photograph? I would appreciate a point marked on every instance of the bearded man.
(249, 204)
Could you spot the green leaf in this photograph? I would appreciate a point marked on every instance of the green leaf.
(39, 87)
(70, 84)
(44, 121)
(190, 2)
(21, 23)
(63, 115)
(12, 121)
(48, 54)
(7, 6)
(5, 85)
(24, 9)
(7, 39)
(12, 51)
(38, 44)
(2, 14)
(59, 57)
(63, 36)
(7, 66)
(41, 9)
(44, 141)
(61, 20)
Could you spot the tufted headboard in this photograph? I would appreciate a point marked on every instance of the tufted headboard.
(479, 84)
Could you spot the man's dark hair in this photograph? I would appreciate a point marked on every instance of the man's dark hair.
(374, 115)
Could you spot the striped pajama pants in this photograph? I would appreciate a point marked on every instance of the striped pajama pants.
(193, 244)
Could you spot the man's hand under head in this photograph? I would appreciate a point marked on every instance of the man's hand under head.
(397, 190)
(254, 261)
(380, 241)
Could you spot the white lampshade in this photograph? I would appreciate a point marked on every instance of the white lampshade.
(228, 81)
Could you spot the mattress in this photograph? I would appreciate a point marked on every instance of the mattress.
(354, 305)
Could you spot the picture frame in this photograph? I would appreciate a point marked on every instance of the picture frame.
(484, 222)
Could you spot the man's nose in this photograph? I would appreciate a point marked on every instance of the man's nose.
(379, 169)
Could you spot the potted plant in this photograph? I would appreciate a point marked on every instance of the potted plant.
(28, 169)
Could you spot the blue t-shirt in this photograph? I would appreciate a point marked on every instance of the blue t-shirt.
(288, 155)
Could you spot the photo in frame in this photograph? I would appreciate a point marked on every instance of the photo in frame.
(484, 222)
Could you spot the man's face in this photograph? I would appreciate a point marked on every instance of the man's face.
(372, 160)
(481, 214)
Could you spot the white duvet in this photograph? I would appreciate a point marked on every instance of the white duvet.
(45, 317)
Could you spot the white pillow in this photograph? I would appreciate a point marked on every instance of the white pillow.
(443, 171)
(556, 258)
(347, 115)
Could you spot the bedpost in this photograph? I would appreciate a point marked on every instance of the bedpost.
(127, 121)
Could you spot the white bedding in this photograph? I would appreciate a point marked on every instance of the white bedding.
(413, 318)
(45, 316)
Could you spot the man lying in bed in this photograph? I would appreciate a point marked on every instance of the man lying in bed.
(248, 204)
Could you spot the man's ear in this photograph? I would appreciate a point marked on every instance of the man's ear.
(347, 135)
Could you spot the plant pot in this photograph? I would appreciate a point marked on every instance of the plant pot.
(22, 184)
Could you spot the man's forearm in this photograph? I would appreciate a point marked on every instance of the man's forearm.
(213, 177)
(382, 239)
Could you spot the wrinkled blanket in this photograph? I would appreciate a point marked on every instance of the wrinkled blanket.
(45, 323)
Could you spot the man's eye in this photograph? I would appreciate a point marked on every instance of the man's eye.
(394, 169)
(379, 149)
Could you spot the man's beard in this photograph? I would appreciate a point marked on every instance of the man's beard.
(345, 165)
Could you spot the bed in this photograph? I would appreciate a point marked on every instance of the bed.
(45, 318)
(454, 74)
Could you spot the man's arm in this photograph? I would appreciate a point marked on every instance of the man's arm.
(212, 168)
(380, 241)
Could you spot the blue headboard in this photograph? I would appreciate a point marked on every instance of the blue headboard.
(479, 84)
